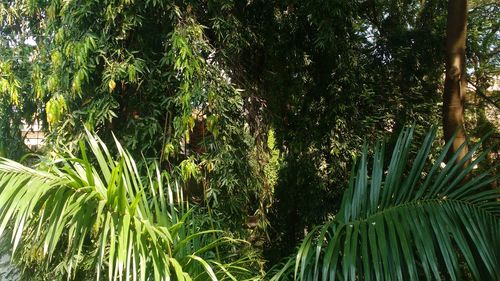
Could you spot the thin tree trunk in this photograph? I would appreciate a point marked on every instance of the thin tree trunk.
(455, 81)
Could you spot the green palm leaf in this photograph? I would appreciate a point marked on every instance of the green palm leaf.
(138, 228)
(403, 222)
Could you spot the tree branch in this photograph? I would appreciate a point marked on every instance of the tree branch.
(483, 95)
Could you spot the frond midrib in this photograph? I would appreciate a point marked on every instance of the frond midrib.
(420, 203)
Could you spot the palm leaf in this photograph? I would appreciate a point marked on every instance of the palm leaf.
(408, 222)
(136, 226)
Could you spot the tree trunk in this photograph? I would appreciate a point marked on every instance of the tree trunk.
(455, 81)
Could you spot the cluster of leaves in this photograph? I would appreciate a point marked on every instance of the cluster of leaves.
(317, 77)
(326, 76)
(21, 93)
(77, 219)
(141, 69)
(484, 62)
(407, 222)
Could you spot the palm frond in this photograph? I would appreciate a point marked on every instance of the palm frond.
(407, 222)
(139, 228)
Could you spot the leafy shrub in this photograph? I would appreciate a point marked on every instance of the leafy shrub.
(407, 222)
(95, 215)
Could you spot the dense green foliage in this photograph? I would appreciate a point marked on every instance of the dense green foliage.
(80, 220)
(257, 108)
(144, 70)
(407, 222)
(396, 222)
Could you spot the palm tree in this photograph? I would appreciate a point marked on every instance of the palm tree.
(407, 222)
(96, 214)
